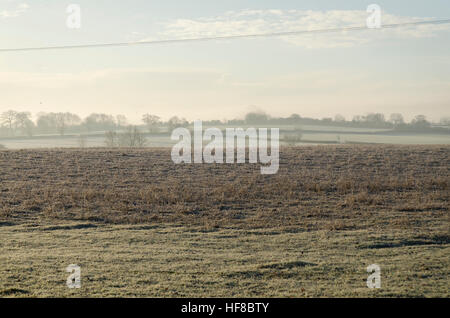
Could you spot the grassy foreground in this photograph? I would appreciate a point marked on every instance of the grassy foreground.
(140, 226)
(179, 261)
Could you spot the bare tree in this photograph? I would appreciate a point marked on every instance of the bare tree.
(175, 122)
(64, 120)
(100, 122)
(60, 123)
(132, 138)
(420, 121)
(396, 119)
(152, 122)
(121, 121)
(375, 118)
(111, 139)
(24, 123)
(8, 119)
(45, 122)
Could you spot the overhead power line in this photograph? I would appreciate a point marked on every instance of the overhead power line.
(225, 37)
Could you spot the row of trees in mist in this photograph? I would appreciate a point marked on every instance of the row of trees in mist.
(371, 120)
(13, 123)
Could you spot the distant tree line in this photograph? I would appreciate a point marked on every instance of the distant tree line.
(14, 123)
(372, 120)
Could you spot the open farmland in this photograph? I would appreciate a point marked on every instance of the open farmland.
(139, 225)
(306, 135)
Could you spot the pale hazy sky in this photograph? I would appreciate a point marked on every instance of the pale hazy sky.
(403, 70)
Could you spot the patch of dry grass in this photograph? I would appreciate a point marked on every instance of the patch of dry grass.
(314, 186)
(140, 225)
(187, 261)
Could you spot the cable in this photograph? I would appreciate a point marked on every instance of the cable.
(225, 37)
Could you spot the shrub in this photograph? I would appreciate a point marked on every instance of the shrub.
(131, 138)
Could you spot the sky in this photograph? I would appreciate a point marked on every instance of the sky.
(404, 70)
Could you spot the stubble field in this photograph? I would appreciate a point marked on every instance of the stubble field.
(139, 225)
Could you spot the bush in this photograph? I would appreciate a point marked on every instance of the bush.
(131, 138)
(111, 139)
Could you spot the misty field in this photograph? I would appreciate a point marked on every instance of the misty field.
(139, 225)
